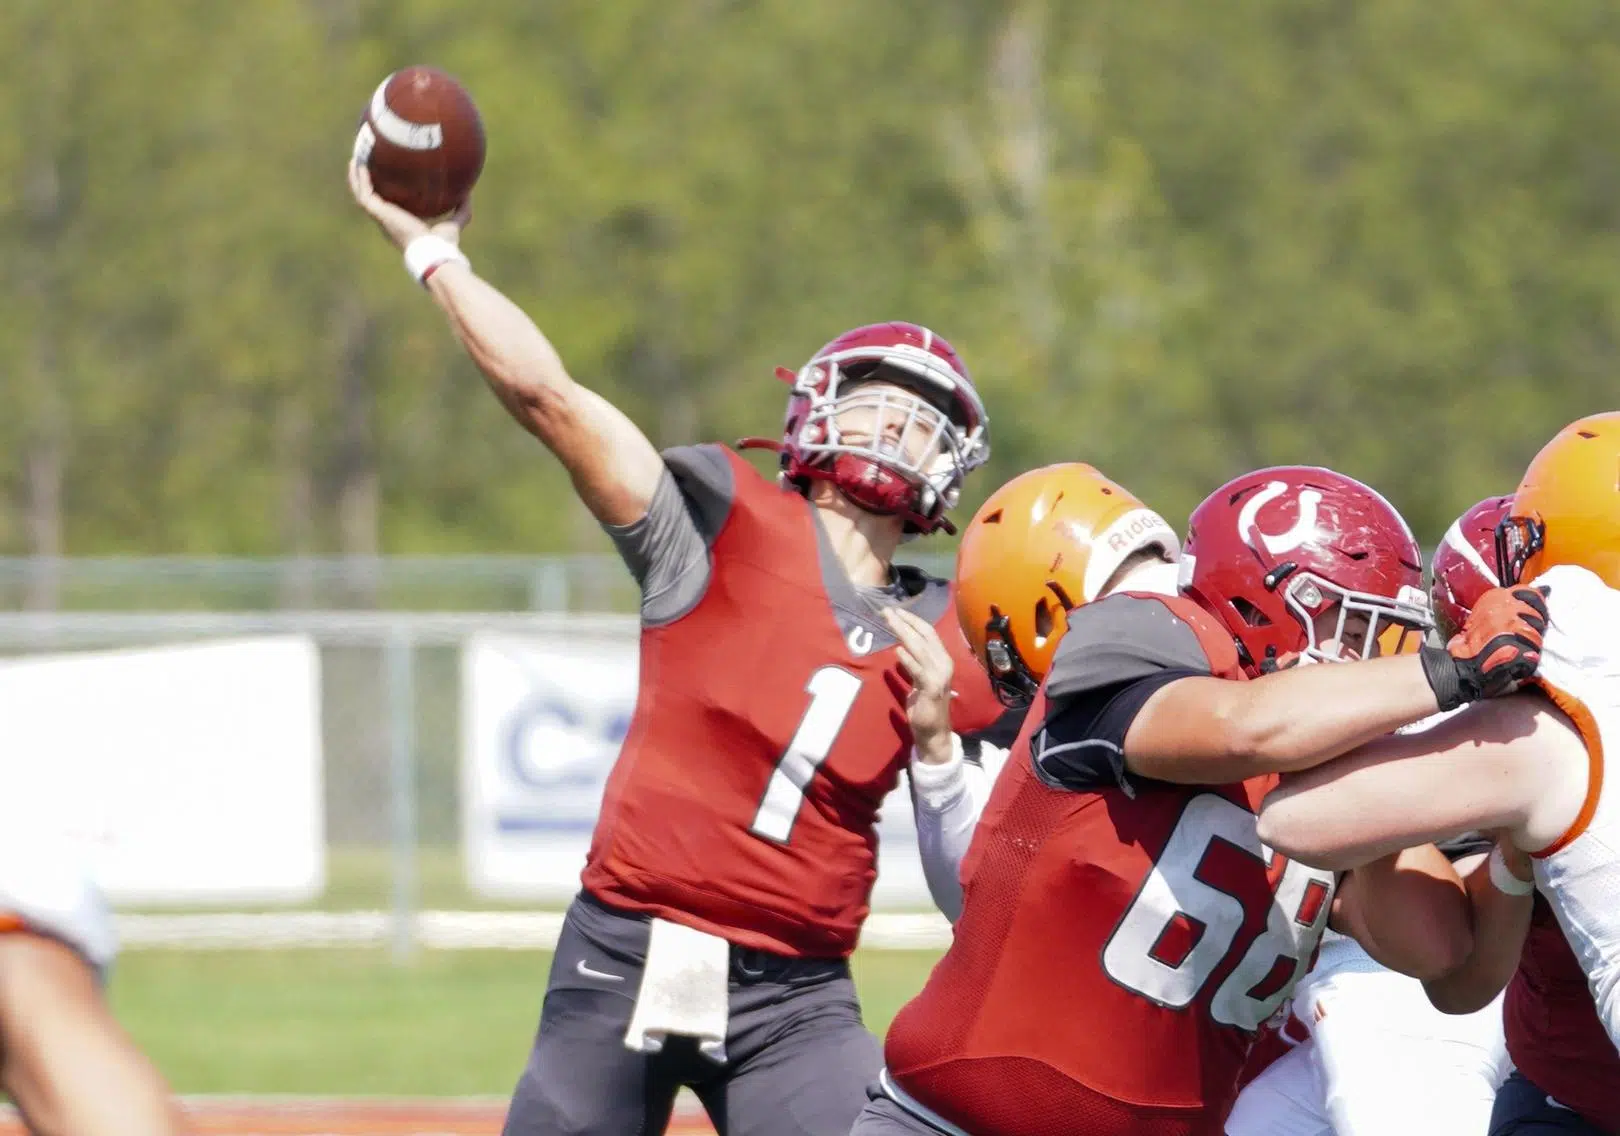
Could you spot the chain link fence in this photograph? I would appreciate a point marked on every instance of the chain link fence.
(340, 583)
(390, 635)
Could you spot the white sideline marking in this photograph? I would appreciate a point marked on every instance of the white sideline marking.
(435, 930)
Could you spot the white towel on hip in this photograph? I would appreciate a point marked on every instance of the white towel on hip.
(685, 987)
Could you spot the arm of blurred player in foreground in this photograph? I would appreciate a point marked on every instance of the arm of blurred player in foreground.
(1409, 911)
(1501, 922)
(64, 1060)
(1513, 763)
(614, 467)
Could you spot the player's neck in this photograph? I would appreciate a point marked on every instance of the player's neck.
(1154, 576)
(864, 543)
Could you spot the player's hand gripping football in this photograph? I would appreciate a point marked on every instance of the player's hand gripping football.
(929, 667)
(1497, 649)
(400, 225)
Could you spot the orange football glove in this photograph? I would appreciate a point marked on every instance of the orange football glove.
(1497, 649)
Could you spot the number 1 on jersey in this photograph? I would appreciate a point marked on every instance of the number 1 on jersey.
(832, 691)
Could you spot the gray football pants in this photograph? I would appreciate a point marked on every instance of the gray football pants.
(882, 1117)
(798, 1057)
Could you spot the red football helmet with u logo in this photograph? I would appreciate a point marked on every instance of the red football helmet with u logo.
(1271, 551)
(906, 377)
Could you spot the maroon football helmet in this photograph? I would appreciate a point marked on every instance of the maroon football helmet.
(1464, 564)
(1268, 552)
(943, 434)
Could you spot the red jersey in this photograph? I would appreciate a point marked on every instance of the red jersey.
(770, 724)
(1554, 1035)
(1121, 940)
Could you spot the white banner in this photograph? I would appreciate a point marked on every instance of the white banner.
(187, 774)
(542, 719)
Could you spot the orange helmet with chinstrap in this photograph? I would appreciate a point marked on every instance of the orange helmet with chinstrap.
(1047, 541)
(1567, 508)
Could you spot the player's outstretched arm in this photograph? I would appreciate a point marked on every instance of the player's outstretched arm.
(1502, 896)
(1512, 763)
(64, 1060)
(1210, 731)
(614, 466)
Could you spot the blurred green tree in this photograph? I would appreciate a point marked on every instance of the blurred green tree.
(1176, 240)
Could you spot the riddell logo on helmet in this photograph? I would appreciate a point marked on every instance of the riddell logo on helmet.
(1139, 528)
(1126, 533)
(1124, 538)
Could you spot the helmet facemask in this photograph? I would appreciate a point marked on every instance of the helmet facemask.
(1518, 539)
(1390, 620)
(850, 429)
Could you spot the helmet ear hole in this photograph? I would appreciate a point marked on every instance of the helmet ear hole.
(1249, 613)
(1043, 621)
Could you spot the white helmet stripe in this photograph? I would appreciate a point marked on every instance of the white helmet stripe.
(1465, 548)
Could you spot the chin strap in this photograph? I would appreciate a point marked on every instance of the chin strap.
(777, 446)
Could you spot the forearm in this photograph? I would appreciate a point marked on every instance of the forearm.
(1304, 824)
(1204, 731)
(1304, 716)
(1480, 770)
(1501, 922)
(1410, 911)
(947, 799)
(519, 362)
(613, 466)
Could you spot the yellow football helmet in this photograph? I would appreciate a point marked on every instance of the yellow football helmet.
(1046, 542)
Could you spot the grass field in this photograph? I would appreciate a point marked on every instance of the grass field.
(452, 1023)
(299, 1116)
(360, 877)
(349, 1043)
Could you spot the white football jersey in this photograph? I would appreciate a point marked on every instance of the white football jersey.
(46, 882)
(1379, 1059)
(1580, 874)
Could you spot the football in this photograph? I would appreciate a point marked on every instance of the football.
(423, 141)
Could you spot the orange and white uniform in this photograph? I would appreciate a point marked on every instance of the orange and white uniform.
(1580, 872)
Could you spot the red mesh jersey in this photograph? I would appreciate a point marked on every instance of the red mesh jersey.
(1117, 952)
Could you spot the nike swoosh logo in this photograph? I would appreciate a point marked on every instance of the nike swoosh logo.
(587, 972)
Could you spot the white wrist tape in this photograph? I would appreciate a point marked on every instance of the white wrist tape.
(1504, 880)
(425, 253)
